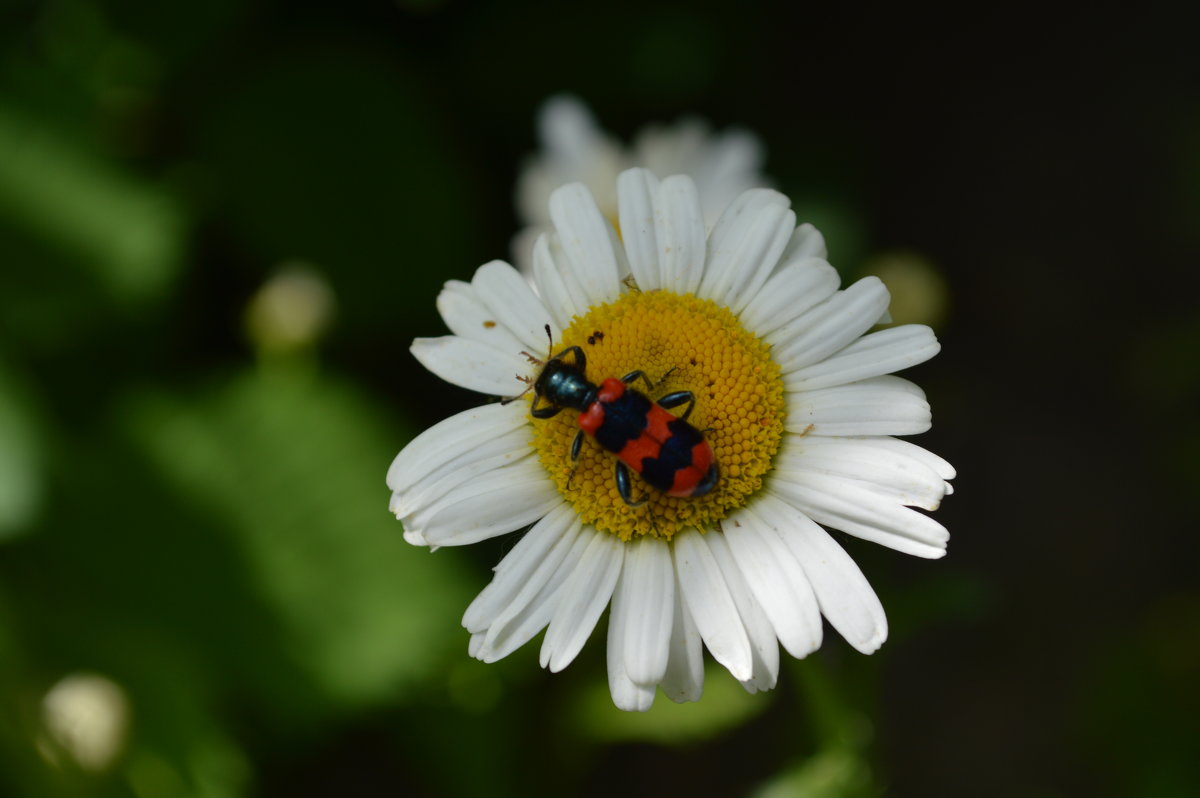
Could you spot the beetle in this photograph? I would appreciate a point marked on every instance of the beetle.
(669, 453)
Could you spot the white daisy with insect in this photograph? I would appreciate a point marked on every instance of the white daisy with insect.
(783, 382)
(574, 148)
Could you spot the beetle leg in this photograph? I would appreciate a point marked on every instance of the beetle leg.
(580, 357)
(550, 411)
(678, 398)
(623, 485)
(629, 378)
(576, 445)
(639, 375)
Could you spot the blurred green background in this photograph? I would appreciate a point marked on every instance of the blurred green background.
(193, 525)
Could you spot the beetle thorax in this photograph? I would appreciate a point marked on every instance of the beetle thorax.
(565, 385)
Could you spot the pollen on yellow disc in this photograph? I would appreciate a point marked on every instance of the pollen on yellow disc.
(739, 408)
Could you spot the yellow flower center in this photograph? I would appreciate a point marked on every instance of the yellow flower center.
(681, 343)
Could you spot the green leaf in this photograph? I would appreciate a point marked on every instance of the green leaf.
(832, 773)
(724, 706)
(295, 468)
(125, 233)
(21, 478)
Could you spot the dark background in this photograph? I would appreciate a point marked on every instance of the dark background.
(203, 523)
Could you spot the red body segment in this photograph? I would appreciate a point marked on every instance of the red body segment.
(642, 436)
(591, 419)
(610, 391)
(686, 479)
(649, 443)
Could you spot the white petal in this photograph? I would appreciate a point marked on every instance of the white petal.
(684, 679)
(942, 468)
(730, 166)
(758, 627)
(637, 190)
(870, 356)
(806, 242)
(790, 291)
(763, 261)
(524, 569)
(830, 326)
(472, 365)
(745, 246)
(564, 296)
(647, 589)
(589, 243)
(626, 693)
(586, 593)
(468, 317)
(844, 595)
(414, 538)
(777, 579)
(679, 230)
(538, 599)
(573, 147)
(512, 302)
(487, 454)
(893, 473)
(706, 597)
(500, 453)
(568, 130)
(495, 503)
(520, 247)
(931, 460)
(876, 406)
(851, 507)
(446, 442)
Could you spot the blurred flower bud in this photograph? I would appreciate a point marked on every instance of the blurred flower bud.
(290, 311)
(919, 293)
(87, 716)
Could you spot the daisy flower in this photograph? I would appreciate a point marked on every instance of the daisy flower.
(792, 391)
(576, 149)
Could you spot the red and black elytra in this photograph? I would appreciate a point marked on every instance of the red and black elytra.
(668, 452)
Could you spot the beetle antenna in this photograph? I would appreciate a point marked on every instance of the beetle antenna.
(528, 386)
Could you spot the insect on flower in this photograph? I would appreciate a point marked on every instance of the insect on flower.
(668, 452)
(793, 427)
